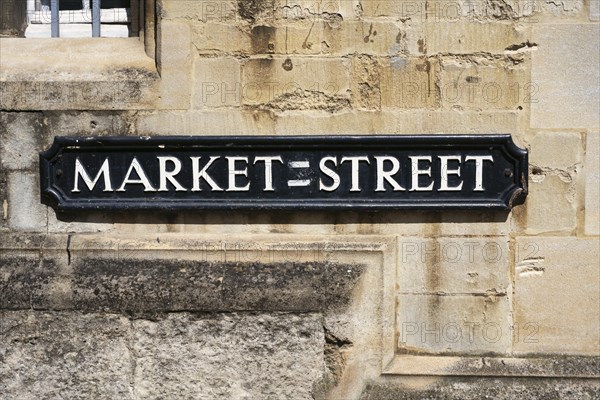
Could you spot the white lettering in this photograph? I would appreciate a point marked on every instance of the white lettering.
(355, 170)
(416, 172)
(387, 176)
(202, 174)
(143, 179)
(445, 172)
(81, 172)
(233, 173)
(330, 173)
(268, 171)
(169, 175)
(479, 170)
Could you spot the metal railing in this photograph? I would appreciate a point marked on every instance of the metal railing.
(55, 18)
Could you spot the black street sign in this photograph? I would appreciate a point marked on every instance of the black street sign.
(276, 172)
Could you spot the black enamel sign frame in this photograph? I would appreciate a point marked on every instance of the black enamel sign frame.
(175, 173)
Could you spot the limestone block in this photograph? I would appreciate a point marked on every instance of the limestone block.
(174, 63)
(592, 184)
(64, 355)
(299, 82)
(470, 37)
(483, 84)
(409, 83)
(561, 8)
(394, 121)
(205, 11)
(25, 212)
(556, 150)
(87, 123)
(217, 122)
(229, 356)
(460, 388)
(13, 19)
(594, 10)
(557, 303)
(456, 265)
(327, 36)
(217, 83)
(21, 135)
(311, 11)
(466, 324)
(551, 205)
(366, 82)
(395, 9)
(217, 38)
(568, 95)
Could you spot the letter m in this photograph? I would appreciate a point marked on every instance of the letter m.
(81, 172)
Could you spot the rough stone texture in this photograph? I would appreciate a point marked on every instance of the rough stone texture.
(556, 295)
(568, 96)
(92, 280)
(594, 10)
(551, 203)
(229, 356)
(453, 265)
(454, 324)
(24, 209)
(21, 136)
(527, 68)
(267, 79)
(174, 64)
(483, 83)
(592, 184)
(48, 355)
(13, 19)
(556, 150)
(481, 388)
(455, 38)
(409, 83)
(217, 83)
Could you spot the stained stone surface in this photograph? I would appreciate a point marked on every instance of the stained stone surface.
(70, 355)
(49, 355)
(228, 356)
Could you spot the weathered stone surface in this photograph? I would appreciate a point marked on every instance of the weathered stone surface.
(270, 79)
(229, 356)
(13, 19)
(88, 279)
(453, 265)
(470, 37)
(480, 388)
(21, 135)
(483, 83)
(566, 99)
(217, 83)
(24, 281)
(49, 355)
(409, 83)
(454, 324)
(218, 38)
(592, 183)
(556, 150)
(594, 10)
(24, 209)
(175, 64)
(556, 295)
(551, 204)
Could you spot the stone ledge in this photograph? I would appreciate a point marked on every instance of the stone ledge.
(175, 273)
(542, 366)
(450, 388)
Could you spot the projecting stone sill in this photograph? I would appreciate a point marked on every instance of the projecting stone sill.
(155, 285)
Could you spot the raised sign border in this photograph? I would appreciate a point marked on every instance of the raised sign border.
(52, 196)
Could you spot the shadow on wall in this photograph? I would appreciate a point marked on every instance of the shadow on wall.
(287, 217)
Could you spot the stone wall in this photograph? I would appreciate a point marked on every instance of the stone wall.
(309, 305)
